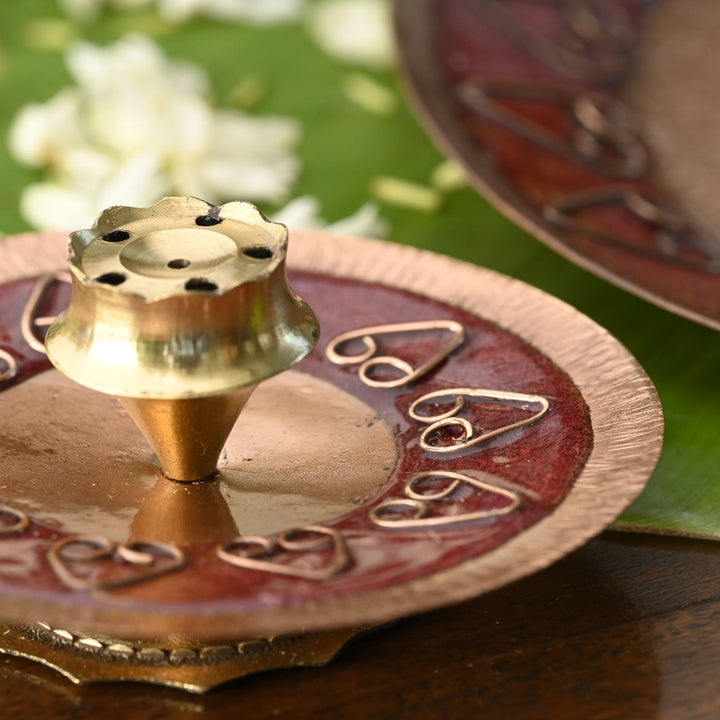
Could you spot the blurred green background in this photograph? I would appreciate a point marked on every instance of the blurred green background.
(344, 147)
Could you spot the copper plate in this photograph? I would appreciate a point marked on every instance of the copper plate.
(567, 430)
(590, 123)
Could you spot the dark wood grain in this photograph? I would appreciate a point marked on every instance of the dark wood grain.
(626, 627)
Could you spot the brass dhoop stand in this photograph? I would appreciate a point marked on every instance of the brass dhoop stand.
(181, 311)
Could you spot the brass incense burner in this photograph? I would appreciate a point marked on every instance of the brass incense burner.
(181, 310)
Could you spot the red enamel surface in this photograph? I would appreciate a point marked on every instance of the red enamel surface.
(545, 458)
(13, 298)
(470, 44)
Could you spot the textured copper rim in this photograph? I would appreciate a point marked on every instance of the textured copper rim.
(626, 422)
(431, 94)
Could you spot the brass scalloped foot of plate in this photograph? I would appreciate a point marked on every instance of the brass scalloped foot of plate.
(195, 668)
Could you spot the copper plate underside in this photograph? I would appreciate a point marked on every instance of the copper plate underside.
(573, 427)
(591, 124)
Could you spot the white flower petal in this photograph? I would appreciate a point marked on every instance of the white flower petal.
(178, 11)
(259, 12)
(302, 213)
(355, 31)
(80, 9)
(85, 63)
(40, 129)
(259, 180)
(28, 138)
(249, 158)
(253, 11)
(131, 4)
(138, 126)
(49, 206)
(366, 222)
(83, 167)
(139, 183)
(267, 136)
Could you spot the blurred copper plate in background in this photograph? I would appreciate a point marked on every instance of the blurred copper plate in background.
(589, 123)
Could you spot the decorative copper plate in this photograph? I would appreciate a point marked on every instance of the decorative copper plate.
(501, 430)
(590, 123)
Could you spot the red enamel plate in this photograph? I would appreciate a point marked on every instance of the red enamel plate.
(454, 430)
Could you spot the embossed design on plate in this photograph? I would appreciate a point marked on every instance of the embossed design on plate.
(369, 360)
(671, 232)
(392, 512)
(255, 552)
(12, 522)
(96, 552)
(470, 437)
(605, 137)
(30, 320)
(8, 366)
(594, 42)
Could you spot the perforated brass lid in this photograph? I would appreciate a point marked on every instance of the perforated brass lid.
(183, 299)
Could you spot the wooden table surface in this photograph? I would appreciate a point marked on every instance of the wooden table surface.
(626, 627)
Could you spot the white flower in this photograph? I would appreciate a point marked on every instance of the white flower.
(259, 12)
(49, 205)
(246, 158)
(138, 126)
(355, 31)
(303, 213)
(365, 222)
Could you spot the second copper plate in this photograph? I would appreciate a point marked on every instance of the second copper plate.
(590, 124)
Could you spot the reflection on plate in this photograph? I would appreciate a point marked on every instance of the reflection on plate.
(590, 123)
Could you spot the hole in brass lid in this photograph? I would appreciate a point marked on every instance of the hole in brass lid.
(259, 252)
(207, 220)
(116, 236)
(201, 284)
(178, 264)
(111, 278)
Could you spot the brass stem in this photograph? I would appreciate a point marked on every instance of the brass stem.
(188, 435)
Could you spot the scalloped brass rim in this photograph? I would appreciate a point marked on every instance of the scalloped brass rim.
(165, 308)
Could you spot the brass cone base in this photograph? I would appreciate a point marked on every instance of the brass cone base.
(188, 435)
